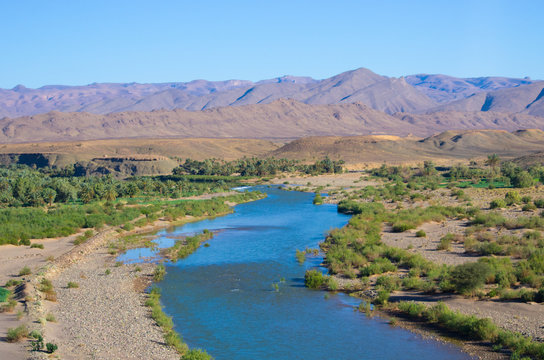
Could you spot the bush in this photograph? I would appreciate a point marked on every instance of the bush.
(497, 204)
(445, 243)
(471, 276)
(72, 285)
(382, 298)
(529, 207)
(25, 271)
(539, 203)
(526, 199)
(4, 294)
(37, 246)
(402, 227)
(174, 340)
(301, 256)
(50, 317)
(128, 226)
(314, 279)
(421, 233)
(159, 273)
(17, 334)
(197, 354)
(51, 348)
(389, 283)
(512, 197)
(523, 180)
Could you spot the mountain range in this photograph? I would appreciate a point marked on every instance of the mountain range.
(411, 94)
(280, 119)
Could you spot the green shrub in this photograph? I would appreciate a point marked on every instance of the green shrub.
(332, 284)
(497, 204)
(389, 283)
(159, 273)
(25, 271)
(318, 199)
(529, 207)
(445, 243)
(314, 279)
(197, 354)
(301, 256)
(128, 227)
(382, 298)
(36, 246)
(50, 317)
(51, 348)
(174, 340)
(4, 294)
(512, 197)
(421, 233)
(402, 227)
(539, 203)
(72, 285)
(17, 334)
(526, 199)
(470, 276)
(523, 180)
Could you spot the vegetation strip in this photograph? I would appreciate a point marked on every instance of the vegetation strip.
(472, 327)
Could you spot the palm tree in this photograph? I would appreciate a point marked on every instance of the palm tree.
(492, 161)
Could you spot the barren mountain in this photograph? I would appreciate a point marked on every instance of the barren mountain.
(527, 99)
(444, 88)
(416, 93)
(281, 119)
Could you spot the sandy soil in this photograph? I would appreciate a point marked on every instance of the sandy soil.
(13, 258)
(426, 246)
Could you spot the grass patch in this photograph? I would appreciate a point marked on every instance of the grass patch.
(165, 322)
(4, 294)
(72, 285)
(25, 271)
(17, 334)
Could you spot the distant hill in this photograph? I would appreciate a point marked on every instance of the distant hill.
(412, 94)
(281, 119)
(445, 147)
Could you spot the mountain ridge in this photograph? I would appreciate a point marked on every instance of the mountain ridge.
(414, 93)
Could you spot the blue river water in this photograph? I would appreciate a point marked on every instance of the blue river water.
(222, 297)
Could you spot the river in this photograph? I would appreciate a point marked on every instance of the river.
(222, 298)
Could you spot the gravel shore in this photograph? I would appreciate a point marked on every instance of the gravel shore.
(105, 317)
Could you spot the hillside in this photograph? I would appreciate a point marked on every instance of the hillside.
(281, 119)
(131, 156)
(444, 147)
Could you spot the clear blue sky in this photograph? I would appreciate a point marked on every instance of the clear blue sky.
(79, 42)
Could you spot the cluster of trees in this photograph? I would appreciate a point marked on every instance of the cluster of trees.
(256, 167)
(507, 173)
(23, 186)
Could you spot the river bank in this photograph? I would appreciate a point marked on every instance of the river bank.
(513, 316)
(99, 308)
